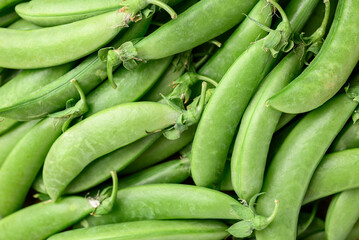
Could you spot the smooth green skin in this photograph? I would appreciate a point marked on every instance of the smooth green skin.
(159, 151)
(5, 4)
(57, 12)
(342, 216)
(61, 44)
(347, 139)
(164, 85)
(174, 171)
(29, 153)
(151, 230)
(12, 136)
(8, 18)
(98, 135)
(6, 124)
(100, 170)
(28, 81)
(244, 36)
(354, 234)
(189, 31)
(41, 220)
(53, 97)
(257, 127)
(23, 25)
(337, 172)
(316, 236)
(223, 112)
(291, 169)
(131, 85)
(284, 119)
(167, 201)
(316, 226)
(226, 182)
(329, 70)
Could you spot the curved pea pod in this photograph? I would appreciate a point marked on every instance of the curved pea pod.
(174, 171)
(55, 45)
(284, 119)
(316, 226)
(337, 172)
(342, 216)
(164, 85)
(22, 24)
(99, 170)
(11, 137)
(54, 96)
(316, 236)
(246, 33)
(347, 139)
(252, 142)
(6, 124)
(6, 4)
(29, 153)
(291, 169)
(57, 12)
(331, 67)
(157, 229)
(8, 18)
(43, 219)
(159, 151)
(131, 86)
(167, 201)
(108, 130)
(354, 234)
(226, 182)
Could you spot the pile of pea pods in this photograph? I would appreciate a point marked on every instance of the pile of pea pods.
(179, 119)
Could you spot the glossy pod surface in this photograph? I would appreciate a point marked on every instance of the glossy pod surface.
(330, 69)
(292, 167)
(108, 130)
(151, 230)
(337, 172)
(157, 201)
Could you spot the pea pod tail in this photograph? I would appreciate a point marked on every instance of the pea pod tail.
(251, 221)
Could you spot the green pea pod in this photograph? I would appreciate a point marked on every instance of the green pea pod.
(57, 12)
(244, 36)
(347, 139)
(157, 229)
(53, 97)
(8, 18)
(174, 171)
(226, 182)
(23, 25)
(167, 201)
(12, 136)
(252, 143)
(131, 86)
(85, 36)
(317, 225)
(99, 170)
(329, 70)
(291, 169)
(159, 151)
(41, 220)
(353, 235)
(6, 4)
(183, 33)
(6, 124)
(164, 86)
(341, 216)
(29, 153)
(284, 119)
(316, 236)
(337, 172)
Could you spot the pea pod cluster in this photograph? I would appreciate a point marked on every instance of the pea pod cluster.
(179, 119)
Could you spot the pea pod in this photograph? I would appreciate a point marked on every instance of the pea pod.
(6, 124)
(10, 139)
(157, 229)
(6, 4)
(159, 151)
(8, 18)
(337, 172)
(29, 153)
(157, 201)
(329, 70)
(347, 139)
(341, 216)
(53, 97)
(353, 235)
(23, 25)
(250, 154)
(292, 167)
(316, 226)
(183, 33)
(51, 13)
(284, 119)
